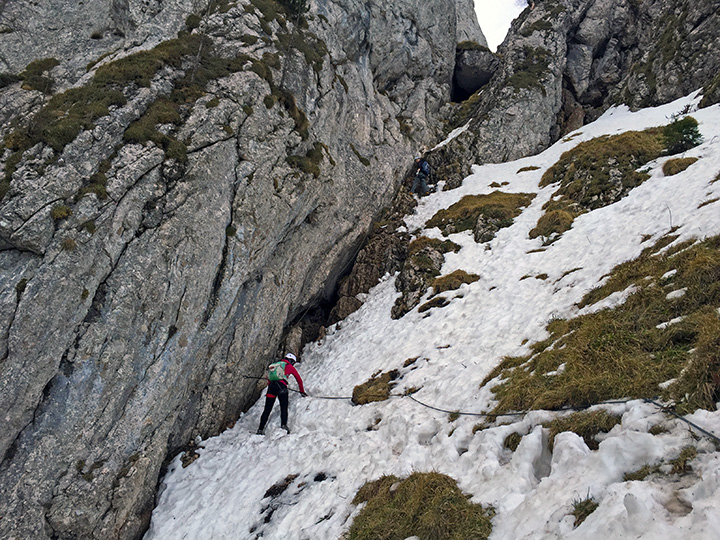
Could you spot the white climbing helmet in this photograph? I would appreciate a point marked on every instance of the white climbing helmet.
(290, 357)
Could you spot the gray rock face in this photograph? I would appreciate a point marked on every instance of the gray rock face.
(467, 23)
(137, 285)
(77, 33)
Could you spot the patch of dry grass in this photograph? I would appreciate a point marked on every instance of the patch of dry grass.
(677, 165)
(463, 215)
(427, 505)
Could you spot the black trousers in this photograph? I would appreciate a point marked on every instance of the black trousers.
(281, 391)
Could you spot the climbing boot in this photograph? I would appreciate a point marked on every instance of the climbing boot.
(284, 426)
(260, 432)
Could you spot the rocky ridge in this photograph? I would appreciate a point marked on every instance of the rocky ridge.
(565, 62)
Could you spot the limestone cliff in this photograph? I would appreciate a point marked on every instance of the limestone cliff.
(166, 216)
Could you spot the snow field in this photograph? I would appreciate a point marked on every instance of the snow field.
(221, 494)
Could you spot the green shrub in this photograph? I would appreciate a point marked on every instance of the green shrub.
(33, 76)
(530, 71)
(310, 162)
(192, 22)
(469, 45)
(681, 135)
(4, 188)
(89, 226)
(541, 25)
(678, 165)
(20, 287)
(6, 79)
(98, 189)
(427, 505)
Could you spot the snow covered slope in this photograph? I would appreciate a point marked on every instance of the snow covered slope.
(336, 447)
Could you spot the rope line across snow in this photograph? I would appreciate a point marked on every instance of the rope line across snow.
(522, 413)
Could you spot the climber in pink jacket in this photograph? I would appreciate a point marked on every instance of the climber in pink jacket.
(277, 377)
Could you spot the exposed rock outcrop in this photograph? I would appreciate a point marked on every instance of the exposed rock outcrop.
(78, 35)
(162, 223)
(566, 61)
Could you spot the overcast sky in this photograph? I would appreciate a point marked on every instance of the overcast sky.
(495, 17)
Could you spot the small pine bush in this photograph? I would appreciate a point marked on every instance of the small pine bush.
(681, 135)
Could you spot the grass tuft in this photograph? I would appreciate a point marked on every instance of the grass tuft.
(423, 242)
(453, 281)
(681, 464)
(582, 509)
(512, 441)
(437, 302)
(585, 424)
(552, 224)
(427, 505)
(310, 162)
(678, 165)
(60, 211)
(642, 473)
(377, 388)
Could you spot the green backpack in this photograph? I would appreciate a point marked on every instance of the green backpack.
(276, 372)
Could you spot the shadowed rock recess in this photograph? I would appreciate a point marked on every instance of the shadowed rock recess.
(166, 215)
